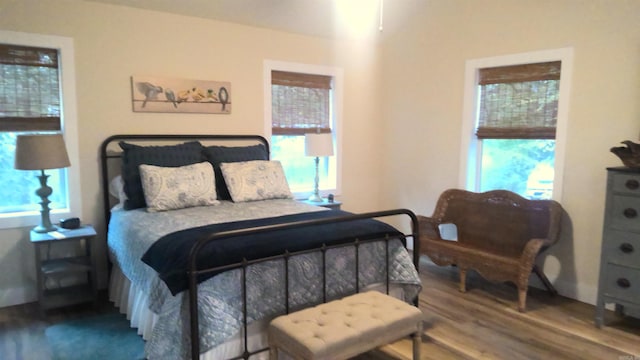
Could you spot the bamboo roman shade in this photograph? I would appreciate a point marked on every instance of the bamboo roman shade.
(519, 102)
(29, 89)
(300, 103)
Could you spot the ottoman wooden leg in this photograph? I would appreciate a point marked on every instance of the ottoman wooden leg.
(273, 353)
(417, 340)
(463, 279)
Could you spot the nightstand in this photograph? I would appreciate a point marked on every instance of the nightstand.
(335, 205)
(61, 268)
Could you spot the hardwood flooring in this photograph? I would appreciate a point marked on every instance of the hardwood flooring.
(482, 323)
(22, 327)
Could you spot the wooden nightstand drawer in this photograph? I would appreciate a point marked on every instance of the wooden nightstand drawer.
(622, 248)
(622, 283)
(626, 184)
(625, 213)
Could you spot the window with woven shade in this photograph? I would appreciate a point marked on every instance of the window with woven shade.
(29, 89)
(519, 101)
(516, 127)
(32, 101)
(302, 103)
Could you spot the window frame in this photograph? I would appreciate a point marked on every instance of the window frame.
(69, 126)
(336, 120)
(471, 146)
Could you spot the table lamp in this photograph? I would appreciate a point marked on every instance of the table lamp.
(41, 152)
(318, 144)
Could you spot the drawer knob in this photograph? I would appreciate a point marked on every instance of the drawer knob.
(623, 283)
(626, 248)
(632, 184)
(630, 213)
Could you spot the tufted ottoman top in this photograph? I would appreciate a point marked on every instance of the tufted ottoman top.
(345, 327)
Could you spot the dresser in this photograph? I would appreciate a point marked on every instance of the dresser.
(619, 281)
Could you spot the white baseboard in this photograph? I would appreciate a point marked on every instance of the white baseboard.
(582, 293)
(17, 296)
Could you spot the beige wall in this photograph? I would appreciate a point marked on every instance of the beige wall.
(423, 73)
(113, 42)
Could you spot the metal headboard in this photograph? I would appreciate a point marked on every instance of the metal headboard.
(111, 154)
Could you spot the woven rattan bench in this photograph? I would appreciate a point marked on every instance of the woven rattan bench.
(499, 235)
(344, 328)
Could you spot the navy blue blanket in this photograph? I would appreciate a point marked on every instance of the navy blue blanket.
(169, 256)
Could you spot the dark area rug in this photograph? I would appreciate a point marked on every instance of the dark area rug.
(107, 336)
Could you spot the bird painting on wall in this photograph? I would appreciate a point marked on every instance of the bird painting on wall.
(149, 91)
(171, 96)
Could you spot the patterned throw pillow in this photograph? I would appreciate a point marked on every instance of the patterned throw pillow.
(226, 154)
(255, 180)
(170, 188)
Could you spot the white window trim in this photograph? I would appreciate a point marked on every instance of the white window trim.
(69, 124)
(470, 148)
(336, 121)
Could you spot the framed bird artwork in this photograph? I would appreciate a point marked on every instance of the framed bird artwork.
(166, 95)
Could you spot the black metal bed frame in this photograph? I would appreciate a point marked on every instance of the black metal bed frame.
(194, 272)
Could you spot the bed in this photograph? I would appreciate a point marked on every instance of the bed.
(218, 264)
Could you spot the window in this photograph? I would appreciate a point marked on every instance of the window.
(36, 96)
(302, 100)
(516, 115)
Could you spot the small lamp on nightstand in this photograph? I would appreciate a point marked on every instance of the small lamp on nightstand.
(318, 144)
(41, 152)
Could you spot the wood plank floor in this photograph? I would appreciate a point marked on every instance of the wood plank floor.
(484, 323)
(481, 324)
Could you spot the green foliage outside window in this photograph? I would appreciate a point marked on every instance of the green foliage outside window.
(516, 165)
(19, 186)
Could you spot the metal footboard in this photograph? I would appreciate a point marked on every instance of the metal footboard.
(194, 272)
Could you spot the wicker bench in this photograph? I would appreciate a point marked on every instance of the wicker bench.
(347, 327)
(499, 234)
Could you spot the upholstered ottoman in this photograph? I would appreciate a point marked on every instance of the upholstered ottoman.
(347, 327)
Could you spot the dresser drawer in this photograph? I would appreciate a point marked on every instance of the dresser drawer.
(622, 283)
(629, 311)
(626, 183)
(622, 248)
(625, 213)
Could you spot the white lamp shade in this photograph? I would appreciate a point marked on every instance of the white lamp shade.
(318, 144)
(40, 152)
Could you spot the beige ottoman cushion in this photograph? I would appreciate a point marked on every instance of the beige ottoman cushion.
(344, 328)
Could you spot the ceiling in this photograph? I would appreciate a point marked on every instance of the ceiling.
(349, 19)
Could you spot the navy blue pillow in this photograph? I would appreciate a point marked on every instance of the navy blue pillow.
(226, 154)
(135, 155)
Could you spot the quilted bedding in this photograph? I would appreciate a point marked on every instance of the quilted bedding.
(220, 298)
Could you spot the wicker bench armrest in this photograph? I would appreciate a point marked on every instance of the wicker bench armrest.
(531, 250)
(429, 227)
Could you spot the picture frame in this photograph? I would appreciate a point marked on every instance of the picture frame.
(169, 95)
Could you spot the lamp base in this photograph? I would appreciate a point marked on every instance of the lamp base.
(43, 192)
(315, 198)
(42, 229)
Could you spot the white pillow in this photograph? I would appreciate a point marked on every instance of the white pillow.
(255, 180)
(169, 188)
(116, 189)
